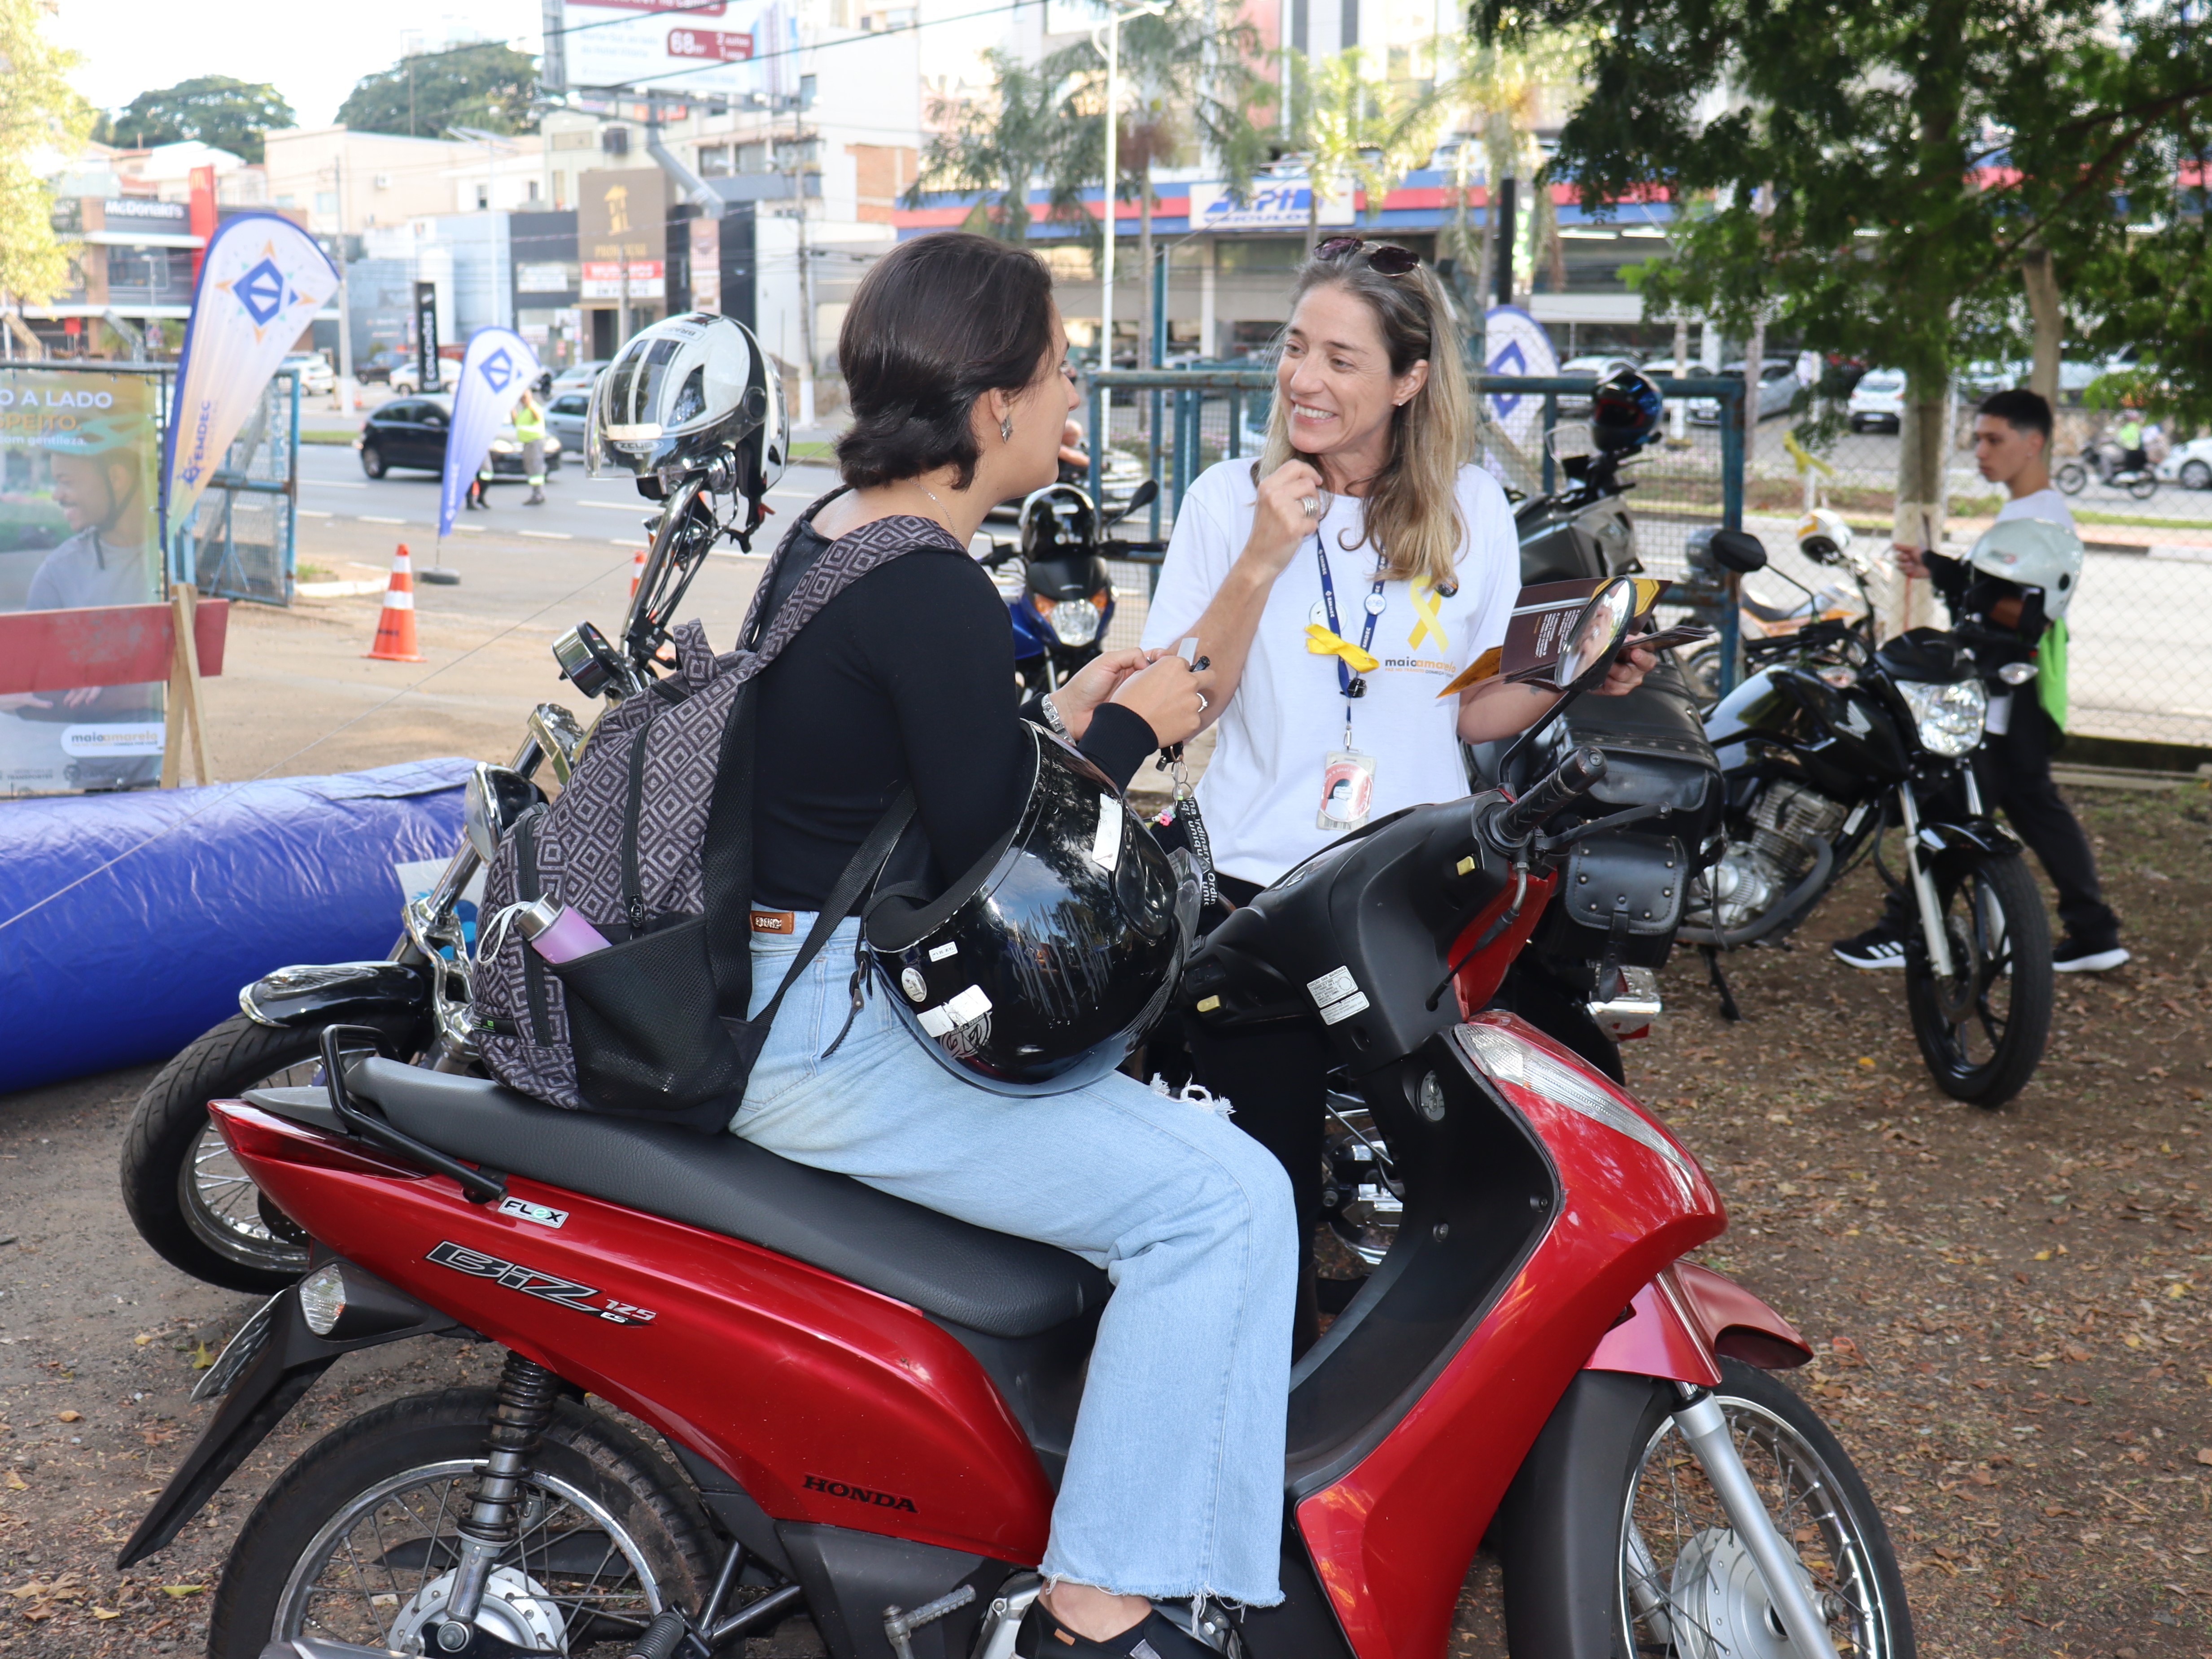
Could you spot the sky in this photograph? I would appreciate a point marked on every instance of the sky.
(131, 46)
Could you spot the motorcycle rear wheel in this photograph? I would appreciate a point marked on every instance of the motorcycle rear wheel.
(356, 1541)
(2070, 478)
(1982, 1031)
(185, 1192)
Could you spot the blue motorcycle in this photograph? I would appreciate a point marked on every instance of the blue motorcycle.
(1063, 604)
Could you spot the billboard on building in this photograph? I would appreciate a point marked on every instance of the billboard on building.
(622, 216)
(701, 48)
(79, 457)
(1271, 204)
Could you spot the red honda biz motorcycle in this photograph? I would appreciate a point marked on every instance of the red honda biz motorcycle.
(866, 1405)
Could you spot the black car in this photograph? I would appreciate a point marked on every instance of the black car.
(411, 432)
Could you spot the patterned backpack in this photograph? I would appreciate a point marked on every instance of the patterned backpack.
(651, 842)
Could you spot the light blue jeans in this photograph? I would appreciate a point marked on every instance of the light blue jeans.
(1173, 1484)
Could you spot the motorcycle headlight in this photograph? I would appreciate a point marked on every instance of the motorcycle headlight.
(1948, 718)
(1075, 622)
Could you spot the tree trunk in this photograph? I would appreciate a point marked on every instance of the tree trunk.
(1924, 442)
(1755, 359)
(2042, 284)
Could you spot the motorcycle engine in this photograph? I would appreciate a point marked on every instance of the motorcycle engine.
(1787, 822)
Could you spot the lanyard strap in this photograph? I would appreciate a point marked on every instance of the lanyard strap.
(1344, 680)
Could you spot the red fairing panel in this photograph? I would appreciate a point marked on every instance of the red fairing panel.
(830, 1402)
(1393, 1538)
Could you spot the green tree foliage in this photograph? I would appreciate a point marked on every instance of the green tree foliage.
(41, 113)
(1874, 174)
(1354, 129)
(1028, 130)
(486, 85)
(216, 109)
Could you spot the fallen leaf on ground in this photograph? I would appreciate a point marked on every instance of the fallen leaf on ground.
(182, 1589)
(2204, 1455)
(69, 1417)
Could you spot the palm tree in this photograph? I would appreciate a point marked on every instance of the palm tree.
(1495, 95)
(1354, 129)
(999, 144)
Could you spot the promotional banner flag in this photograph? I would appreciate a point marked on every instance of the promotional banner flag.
(496, 369)
(262, 280)
(1516, 345)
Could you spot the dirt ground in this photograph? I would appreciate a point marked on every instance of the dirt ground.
(2009, 1307)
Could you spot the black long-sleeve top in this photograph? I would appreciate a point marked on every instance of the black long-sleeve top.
(905, 678)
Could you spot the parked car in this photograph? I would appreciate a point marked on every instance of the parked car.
(411, 432)
(2188, 464)
(1877, 402)
(404, 378)
(317, 378)
(1778, 386)
(1592, 369)
(565, 413)
(578, 377)
(379, 367)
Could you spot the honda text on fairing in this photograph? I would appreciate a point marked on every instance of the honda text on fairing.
(866, 1405)
(186, 1193)
(1830, 744)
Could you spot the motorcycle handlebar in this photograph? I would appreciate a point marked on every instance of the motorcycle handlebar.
(1512, 824)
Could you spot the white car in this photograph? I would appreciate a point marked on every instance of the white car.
(316, 378)
(2188, 464)
(1877, 401)
(403, 381)
(1777, 390)
(578, 377)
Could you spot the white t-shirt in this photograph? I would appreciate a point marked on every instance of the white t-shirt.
(1263, 788)
(2045, 503)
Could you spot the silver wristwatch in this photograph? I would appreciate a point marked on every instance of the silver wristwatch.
(1052, 715)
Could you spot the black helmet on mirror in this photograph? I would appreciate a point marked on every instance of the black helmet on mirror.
(1626, 411)
(1041, 969)
(692, 393)
(1057, 521)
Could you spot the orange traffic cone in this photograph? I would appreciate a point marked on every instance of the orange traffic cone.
(395, 626)
(636, 572)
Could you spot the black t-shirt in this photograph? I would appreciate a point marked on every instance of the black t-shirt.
(906, 677)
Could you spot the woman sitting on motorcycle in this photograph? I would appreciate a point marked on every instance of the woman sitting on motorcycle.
(1337, 586)
(954, 360)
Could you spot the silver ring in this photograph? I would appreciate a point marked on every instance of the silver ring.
(1312, 505)
(1202, 703)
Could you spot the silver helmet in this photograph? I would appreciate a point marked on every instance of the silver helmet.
(2034, 553)
(686, 394)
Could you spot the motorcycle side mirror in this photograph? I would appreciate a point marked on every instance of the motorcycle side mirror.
(1143, 496)
(1596, 637)
(2018, 674)
(496, 796)
(1737, 550)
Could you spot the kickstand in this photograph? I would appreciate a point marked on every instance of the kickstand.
(1730, 1012)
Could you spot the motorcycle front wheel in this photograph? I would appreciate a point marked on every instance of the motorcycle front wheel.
(185, 1193)
(357, 1541)
(1982, 1030)
(1613, 1495)
(2142, 486)
(2070, 478)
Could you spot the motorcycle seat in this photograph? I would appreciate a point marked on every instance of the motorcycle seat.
(968, 1275)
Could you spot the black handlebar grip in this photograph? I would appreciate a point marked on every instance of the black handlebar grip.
(1577, 776)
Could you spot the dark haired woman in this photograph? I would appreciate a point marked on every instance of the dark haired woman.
(1339, 585)
(954, 360)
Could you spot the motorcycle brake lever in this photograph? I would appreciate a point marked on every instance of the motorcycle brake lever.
(1550, 844)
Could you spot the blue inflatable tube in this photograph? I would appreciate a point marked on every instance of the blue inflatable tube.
(128, 923)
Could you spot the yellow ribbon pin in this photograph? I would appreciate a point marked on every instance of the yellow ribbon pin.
(1428, 614)
(1322, 643)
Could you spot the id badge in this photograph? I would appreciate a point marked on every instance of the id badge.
(1347, 790)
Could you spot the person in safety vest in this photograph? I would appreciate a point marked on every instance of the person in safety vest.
(530, 432)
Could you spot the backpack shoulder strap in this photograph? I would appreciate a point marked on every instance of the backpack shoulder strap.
(845, 896)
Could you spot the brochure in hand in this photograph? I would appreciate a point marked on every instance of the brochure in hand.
(1543, 618)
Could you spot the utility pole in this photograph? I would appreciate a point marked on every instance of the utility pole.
(1119, 14)
(795, 169)
(349, 399)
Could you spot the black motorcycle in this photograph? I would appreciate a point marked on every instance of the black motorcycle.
(185, 1193)
(1837, 750)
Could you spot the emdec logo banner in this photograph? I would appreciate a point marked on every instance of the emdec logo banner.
(261, 282)
(496, 369)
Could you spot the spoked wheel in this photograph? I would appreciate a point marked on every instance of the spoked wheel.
(1689, 1589)
(1982, 1028)
(2070, 478)
(186, 1193)
(2142, 486)
(357, 1541)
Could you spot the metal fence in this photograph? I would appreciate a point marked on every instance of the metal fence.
(1211, 413)
(240, 541)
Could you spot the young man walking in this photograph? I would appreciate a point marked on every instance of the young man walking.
(2012, 445)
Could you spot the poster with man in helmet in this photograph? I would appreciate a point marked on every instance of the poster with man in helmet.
(77, 505)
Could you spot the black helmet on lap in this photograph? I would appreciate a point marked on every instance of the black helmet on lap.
(1039, 969)
(1626, 410)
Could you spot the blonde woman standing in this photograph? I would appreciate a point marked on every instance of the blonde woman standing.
(1339, 585)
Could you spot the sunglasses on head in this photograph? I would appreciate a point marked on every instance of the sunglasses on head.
(1385, 258)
